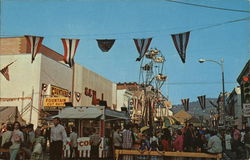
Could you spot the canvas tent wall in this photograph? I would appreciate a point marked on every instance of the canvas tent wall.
(10, 114)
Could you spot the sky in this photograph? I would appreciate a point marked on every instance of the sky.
(125, 20)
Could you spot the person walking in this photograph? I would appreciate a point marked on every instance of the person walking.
(16, 139)
(58, 137)
(73, 142)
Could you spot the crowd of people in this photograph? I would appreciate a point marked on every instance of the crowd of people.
(235, 144)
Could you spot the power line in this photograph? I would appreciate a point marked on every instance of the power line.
(219, 24)
(94, 36)
(211, 7)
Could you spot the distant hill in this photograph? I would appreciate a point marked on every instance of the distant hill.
(195, 109)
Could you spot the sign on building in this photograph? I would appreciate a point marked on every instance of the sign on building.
(246, 109)
(59, 92)
(54, 103)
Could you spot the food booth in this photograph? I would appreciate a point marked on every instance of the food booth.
(84, 119)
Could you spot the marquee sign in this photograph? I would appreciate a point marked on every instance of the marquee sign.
(54, 103)
(59, 92)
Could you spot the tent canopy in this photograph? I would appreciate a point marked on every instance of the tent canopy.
(10, 114)
(79, 113)
(89, 112)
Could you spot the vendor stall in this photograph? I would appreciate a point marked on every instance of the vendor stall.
(87, 118)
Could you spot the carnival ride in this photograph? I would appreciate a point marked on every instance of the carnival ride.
(151, 79)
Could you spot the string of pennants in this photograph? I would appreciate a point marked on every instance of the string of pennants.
(70, 45)
(201, 99)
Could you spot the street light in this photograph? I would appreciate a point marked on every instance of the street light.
(221, 64)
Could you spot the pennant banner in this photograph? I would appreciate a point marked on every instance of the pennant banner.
(70, 46)
(185, 103)
(105, 44)
(78, 96)
(142, 46)
(181, 41)
(5, 71)
(35, 43)
(202, 101)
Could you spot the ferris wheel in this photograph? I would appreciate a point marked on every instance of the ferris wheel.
(151, 77)
(151, 69)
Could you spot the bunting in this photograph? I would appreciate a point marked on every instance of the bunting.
(142, 46)
(35, 43)
(105, 44)
(185, 103)
(202, 101)
(181, 41)
(15, 99)
(78, 96)
(70, 46)
(5, 71)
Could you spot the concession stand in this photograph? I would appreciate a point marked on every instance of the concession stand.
(86, 118)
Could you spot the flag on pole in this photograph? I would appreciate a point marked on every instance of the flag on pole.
(35, 43)
(5, 71)
(105, 44)
(202, 101)
(70, 46)
(185, 103)
(181, 41)
(78, 96)
(142, 46)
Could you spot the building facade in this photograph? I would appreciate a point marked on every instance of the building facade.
(40, 88)
(233, 108)
(244, 81)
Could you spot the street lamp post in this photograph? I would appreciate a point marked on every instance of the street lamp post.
(221, 64)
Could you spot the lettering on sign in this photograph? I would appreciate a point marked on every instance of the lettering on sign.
(59, 92)
(83, 143)
(55, 103)
(92, 93)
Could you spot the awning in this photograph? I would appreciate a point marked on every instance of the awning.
(79, 113)
(116, 114)
(91, 112)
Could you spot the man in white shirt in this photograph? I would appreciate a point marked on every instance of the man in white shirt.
(214, 144)
(58, 137)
